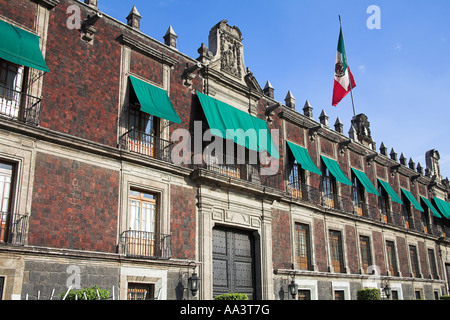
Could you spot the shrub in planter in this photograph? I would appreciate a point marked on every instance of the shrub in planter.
(368, 294)
(232, 296)
(91, 294)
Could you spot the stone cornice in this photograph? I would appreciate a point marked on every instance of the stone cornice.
(147, 50)
(49, 4)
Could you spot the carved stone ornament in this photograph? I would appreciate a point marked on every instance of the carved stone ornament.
(230, 52)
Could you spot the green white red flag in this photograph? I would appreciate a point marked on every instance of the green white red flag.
(343, 77)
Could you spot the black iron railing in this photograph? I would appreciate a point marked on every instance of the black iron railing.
(13, 228)
(142, 244)
(233, 167)
(146, 144)
(16, 105)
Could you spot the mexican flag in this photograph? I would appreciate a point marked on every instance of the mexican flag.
(342, 74)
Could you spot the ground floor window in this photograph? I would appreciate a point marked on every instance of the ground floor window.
(141, 291)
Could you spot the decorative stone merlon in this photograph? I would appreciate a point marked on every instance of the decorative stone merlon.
(269, 90)
(308, 110)
(323, 118)
(339, 126)
(134, 18)
(92, 3)
(290, 100)
(170, 38)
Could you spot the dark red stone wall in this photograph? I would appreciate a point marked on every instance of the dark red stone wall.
(281, 240)
(81, 91)
(183, 222)
(74, 205)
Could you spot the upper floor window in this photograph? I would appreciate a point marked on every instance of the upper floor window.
(357, 195)
(147, 105)
(406, 212)
(383, 203)
(11, 82)
(328, 183)
(296, 179)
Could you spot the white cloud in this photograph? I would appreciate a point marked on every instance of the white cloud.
(398, 47)
(362, 68)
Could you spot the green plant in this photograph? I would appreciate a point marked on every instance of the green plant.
(86, 294)
(368, 294)
(445, 297)
(232, 296)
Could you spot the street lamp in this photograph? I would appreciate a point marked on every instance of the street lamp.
(194, 280)
(387, 289)
(293, 287)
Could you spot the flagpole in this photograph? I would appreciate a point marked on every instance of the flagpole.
(350, 80)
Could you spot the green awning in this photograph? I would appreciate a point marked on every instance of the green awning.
(394, 196)
(411, 199)
(431, 207)
(443, 206)
(154, 100)
(303, 158)
(336, 171)
(362, 177)
(231, 123)
(21, 47)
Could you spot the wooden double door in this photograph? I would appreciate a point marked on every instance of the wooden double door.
(233, 262)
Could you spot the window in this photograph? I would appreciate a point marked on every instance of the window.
(11, 81)
(142, 224)
(2, 285)
(339, 295)
(141, 291)
(414, 261)
(296, 180)
(143, 131)
(6, 179)
(303, 249)
(392, 258)
(406, 212)
(425, 217)
(432, 259)
(328, 188)
(366, 256)
(383, 204)
(394, 294)
(304, 295)
(337, 258)
(357, 195)
(418, 294)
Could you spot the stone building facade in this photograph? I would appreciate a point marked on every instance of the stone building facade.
(100, 186)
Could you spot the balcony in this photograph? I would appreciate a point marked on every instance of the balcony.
(145, 144)
(223, 166)
(13, 228)
(145, 245)
(16, 105)
(304, 193)
(347, 205)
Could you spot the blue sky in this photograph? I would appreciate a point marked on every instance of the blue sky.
(402, 70)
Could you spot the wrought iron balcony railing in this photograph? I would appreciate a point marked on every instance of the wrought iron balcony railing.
(145, 144)
(232, 167)
(13, 228)
(147, 245)
(16, 105)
